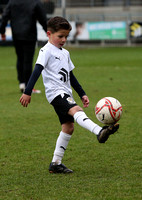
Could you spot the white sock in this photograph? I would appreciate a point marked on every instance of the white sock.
(61, 146)
(82, 119)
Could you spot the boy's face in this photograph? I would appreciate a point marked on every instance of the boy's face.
(58, 38)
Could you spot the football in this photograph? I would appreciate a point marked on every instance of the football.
(108, 110)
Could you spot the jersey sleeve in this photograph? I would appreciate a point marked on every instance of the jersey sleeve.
(71, 65)
(43, 57)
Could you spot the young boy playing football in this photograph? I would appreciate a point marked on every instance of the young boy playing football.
(57, 71)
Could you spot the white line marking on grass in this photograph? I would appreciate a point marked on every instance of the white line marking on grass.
(114, 67)
(5, 68)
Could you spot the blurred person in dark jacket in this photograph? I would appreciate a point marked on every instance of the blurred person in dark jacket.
(49, 6)
(23, 16)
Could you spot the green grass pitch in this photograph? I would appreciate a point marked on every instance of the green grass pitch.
(110, 171)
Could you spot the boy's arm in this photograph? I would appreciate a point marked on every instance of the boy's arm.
(77, 87)
(26, 97)
(33, 79)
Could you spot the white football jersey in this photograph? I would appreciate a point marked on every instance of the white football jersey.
(56, 73)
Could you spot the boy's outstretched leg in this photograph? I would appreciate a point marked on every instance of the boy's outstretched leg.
(102, 133)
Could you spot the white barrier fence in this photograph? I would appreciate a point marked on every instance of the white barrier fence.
(96, 31)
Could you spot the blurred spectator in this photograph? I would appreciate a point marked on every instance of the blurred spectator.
(2, 5)
(1, 9)
(49, 6)
(4, 1)
(23, 16)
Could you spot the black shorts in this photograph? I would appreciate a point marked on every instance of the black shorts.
(62, 103)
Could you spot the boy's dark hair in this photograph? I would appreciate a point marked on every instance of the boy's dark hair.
(57, 23)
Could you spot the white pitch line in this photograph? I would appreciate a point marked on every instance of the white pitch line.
(9, 67)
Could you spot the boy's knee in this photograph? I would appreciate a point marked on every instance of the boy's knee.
(71, 129)
(74, 109)
(68, 128)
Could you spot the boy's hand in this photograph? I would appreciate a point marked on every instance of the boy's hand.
(85, 101)
(25, 100)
